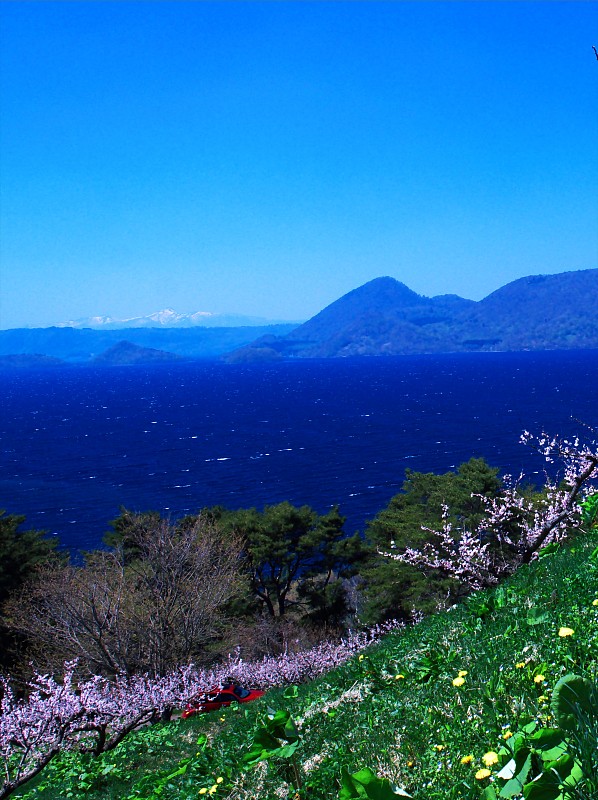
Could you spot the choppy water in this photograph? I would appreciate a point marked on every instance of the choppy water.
(76, 443)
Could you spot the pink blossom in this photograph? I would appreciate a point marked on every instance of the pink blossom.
(515, 528)
(96, 714)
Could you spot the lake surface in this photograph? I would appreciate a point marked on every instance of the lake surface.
(78, 443)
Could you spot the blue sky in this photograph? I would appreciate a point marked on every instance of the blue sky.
(266, 158)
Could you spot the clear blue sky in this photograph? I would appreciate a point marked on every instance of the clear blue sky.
(266, 158)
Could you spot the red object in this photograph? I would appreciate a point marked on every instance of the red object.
(220, 697)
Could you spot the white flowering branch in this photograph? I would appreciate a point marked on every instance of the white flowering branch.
(33, 733)
(515, 528)
(95, 715)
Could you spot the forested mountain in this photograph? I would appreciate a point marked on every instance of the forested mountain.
(124, 353)
(384, 317)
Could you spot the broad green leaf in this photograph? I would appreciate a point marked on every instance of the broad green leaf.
(523, 759)
(547, 739)
(517, 742)
(507, 771)
(573, 695)
(350, 790)
(511, 788)
(530, 727)
(263, 745)
(544, 787)
(563, 765)
(365, 783)
(576, 775)
(286, 751)
(520, 771)
(279, 717)
(489, 793)
(536, 616)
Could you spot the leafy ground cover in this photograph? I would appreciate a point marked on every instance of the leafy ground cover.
(475, 702)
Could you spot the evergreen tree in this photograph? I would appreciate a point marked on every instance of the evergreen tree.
(296, 558)
(21, 551)
(393, 589)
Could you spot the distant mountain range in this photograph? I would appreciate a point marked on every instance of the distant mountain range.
(169, 318)
(382, 317)
(124, 353)
(82, 345)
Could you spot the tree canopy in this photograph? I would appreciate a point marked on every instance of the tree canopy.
(295, 556)
(393, 589)
(150, 609)
(20, 552)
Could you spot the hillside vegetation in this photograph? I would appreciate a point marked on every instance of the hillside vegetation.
(495, 697)
(437, 709)
(385, 317)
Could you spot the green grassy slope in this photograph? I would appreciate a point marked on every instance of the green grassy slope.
(422, 708)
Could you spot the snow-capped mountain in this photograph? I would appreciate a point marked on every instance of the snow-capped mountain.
(169, 318)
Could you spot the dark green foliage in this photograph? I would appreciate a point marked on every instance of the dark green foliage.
(125, 529)
(572, 697)
(366, 784)
(21, 551)
(589, 511)
(379, 722)
(296, 557)
(393, 589)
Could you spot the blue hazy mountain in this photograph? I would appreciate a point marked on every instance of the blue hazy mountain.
(385, 317)
(382, 317)
(84, 344)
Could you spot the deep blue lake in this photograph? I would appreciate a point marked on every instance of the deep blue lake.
(77, 443)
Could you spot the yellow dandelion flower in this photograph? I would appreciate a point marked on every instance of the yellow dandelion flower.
(490, 758)
(563, 632)
(507, 735)
(482, 773)
(219, 780)
(595, 602)
(539, 679)
(439, 747)
(222, 719)
(213, 790)
(542, 698)
(399, 677)
(203, 791)
(467, 759)
(462, 673)
(458, 681)
(520, 665)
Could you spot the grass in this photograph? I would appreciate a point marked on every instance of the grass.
(422, 709)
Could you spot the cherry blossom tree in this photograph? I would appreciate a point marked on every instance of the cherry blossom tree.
(33, 732)
(95, 715)
(516, 526)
